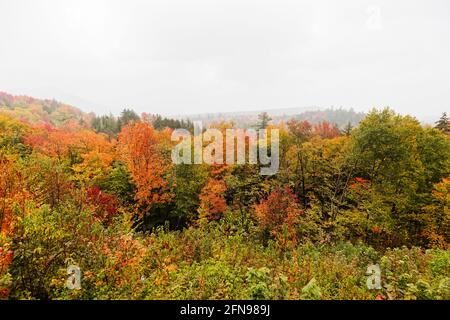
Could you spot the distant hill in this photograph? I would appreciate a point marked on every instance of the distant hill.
(340, 116)
(41, 111)
(56, 113)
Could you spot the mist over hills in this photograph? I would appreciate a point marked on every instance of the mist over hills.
(339, 116)
(56, 113)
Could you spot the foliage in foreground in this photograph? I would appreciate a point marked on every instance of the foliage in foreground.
(140, 227)
(216, 262)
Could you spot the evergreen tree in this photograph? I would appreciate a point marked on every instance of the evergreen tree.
(264, 120)
(107, 124)
(347, 129)
(126, 117)
(442, 123)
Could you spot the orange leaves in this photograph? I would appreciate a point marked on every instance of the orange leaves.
(376, 229)
(146, 153)
(212, 201)
(62, 142)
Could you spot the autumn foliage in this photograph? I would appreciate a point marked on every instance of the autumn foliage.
(212, 201)
(145, 151)
(279, 213)
(105, 196)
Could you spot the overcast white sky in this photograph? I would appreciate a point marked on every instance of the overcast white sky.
(174, 57)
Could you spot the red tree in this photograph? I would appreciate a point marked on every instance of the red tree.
(280, 210)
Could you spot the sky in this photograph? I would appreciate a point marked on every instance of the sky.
(183, 57)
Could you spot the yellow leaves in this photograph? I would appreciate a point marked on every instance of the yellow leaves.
(158, 281)
(436, 216)
(171, 267)
(94, 165)
(441, 191)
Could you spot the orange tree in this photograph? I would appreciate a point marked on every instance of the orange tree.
(146, 153)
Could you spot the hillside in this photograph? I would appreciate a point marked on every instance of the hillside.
(34, 110)
(50, 111)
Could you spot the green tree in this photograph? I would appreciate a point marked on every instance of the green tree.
(126, 117)
(245, 187)
(347, 129)
(107, 124)
(264, 120)
(190, 181)
(442, 123)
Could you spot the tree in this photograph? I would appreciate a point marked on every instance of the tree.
(326, 130)
(401, 160)
(107, 124)
(300, 130)
(12, 133)
(436, 216)
(443, 123)
(190, 181)
(264, 120)
(245, 187)
(146, 153)
(434, 153)
(385, 144)
(278, 214)
(119, 183)
(127, 116)
(212, 201)
(347, 129)
(13, 197)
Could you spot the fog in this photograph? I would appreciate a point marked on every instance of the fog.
(180, 57)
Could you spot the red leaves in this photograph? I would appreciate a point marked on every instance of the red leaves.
(326, 130)
(6, 257)
(280, 211)
(105, 205)
(300, 129)
(304, 130)
(360, 183)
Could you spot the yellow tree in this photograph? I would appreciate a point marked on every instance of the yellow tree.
(437, 216)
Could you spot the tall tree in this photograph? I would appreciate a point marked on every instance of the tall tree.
(347, 129)
(146, 152)
(127, 116)
(443, 123)
(263, 120)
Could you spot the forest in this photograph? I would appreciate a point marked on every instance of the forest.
(101, 193)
